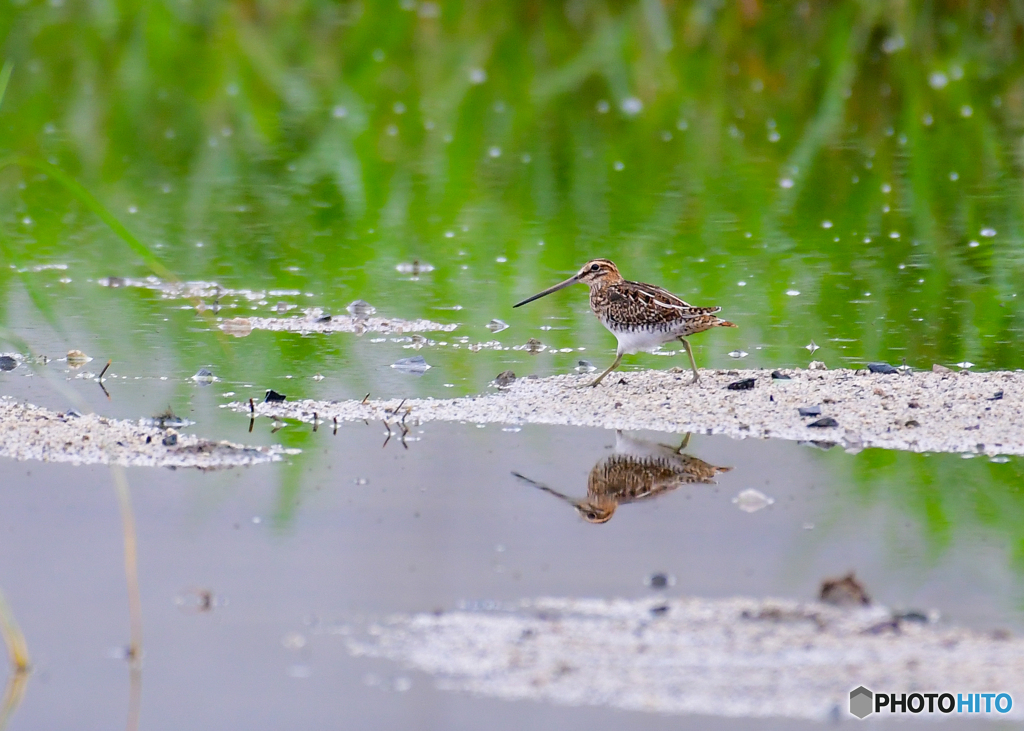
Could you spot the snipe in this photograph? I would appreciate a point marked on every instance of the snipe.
(640, 316)
(636, 470)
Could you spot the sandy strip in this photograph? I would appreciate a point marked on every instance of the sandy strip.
(313, 321)
(919, 412)
(31, 432)
(722, 657)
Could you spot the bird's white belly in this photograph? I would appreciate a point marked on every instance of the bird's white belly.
(635, 341)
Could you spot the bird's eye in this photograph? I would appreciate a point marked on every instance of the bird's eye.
(594, 267)
(592, 516)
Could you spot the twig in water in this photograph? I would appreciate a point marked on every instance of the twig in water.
(363, 402)
(100, 377)
(315, 418)
(131, 565)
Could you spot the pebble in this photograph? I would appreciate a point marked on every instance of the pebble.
(504, 379)
(744, 385)
(660, 580)
(845, 591)
(824, 422)
(750, 501)
(416, 365)
(77, 359)
(204, 376)
(361, 309)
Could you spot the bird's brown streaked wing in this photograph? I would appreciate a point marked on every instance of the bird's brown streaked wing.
(652, 292)
(641, 303)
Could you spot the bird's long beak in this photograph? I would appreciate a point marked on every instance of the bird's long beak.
(541, 486)
(561, 285)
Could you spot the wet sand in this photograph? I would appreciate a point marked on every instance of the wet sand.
(32, 432)
(724, 657)
(977, 413)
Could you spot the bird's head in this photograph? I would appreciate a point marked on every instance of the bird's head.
(595, 273)
(593, 513)
(598, 271)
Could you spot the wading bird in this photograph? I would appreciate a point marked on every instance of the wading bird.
(637, 470)
(640, 316)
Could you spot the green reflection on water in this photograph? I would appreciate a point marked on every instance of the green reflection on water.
(314, 146)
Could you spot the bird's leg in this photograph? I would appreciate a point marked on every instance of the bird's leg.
(693, 363)
(612, 367)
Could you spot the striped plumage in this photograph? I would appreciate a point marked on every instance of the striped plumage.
(640, 316)
(638, 470)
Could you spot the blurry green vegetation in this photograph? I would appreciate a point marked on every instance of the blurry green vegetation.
(281, 134)
(866, 154)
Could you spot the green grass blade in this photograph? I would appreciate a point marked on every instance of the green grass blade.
(89, 201)
(5, 76)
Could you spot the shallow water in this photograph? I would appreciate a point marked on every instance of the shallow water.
(439, 525)
(842, 198)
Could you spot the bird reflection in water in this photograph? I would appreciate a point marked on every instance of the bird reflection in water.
(637, 470)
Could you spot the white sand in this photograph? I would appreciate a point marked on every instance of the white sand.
(722, 657)
(31, 432)
(920, 412)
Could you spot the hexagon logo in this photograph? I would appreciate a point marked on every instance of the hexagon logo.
(861, 702)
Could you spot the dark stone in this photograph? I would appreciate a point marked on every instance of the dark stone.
(7, 363)
(809, 410)
(997, 396)
(325, 318)
(505, 378)
(745, 385)
(170, 440)
(845, 591)
(273, 397)
(881, 368)
(911, 615)
(780, 376)
(660, 610)
(658, 581)
(825, 421)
